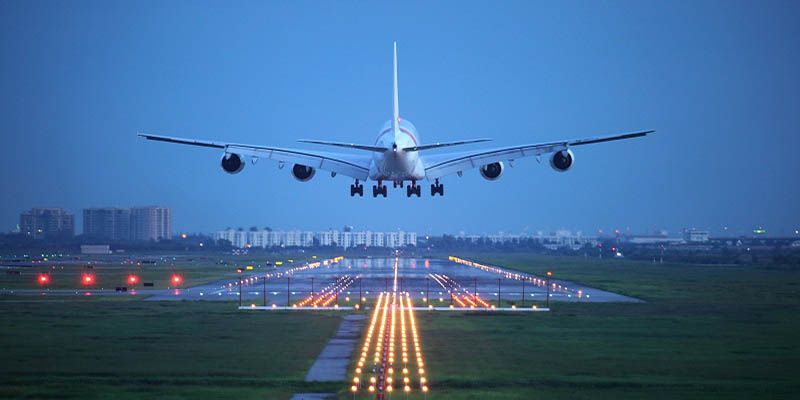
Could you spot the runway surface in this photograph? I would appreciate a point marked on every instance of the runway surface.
(343, 282)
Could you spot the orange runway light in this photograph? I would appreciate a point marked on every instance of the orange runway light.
(43, 279)
(133, 279)
(176, 279)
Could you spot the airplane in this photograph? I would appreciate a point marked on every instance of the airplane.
(397, 156)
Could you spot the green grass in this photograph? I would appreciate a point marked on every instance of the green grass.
(181, 350)
(111, 272)
(702, 332)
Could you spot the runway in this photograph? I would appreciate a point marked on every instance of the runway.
(456, 282)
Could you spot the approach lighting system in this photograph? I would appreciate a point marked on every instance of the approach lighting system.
(133, 279)
(176, 279)
(43, 279)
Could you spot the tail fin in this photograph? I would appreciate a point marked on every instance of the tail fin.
(396, 109)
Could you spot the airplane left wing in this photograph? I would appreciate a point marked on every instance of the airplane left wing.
(352, 165)
(440, 165)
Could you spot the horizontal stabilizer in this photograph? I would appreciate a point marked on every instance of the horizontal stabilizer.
(446, 144)
(347, 145)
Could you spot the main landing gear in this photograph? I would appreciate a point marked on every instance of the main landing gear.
(437, 188)
(413, 188)
(357, 188)
(379, 189)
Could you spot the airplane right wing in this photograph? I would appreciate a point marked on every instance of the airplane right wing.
(352, 165)
(440, 165)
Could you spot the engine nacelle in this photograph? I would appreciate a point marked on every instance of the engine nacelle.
(303, 173)
(492, 171)
(232, 163)
(562, 161)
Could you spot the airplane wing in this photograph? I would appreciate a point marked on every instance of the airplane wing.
(352, 165)
(445, 144)
(440, 165)
(346, 145)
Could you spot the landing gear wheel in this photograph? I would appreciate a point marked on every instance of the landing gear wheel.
(357, 189)
(379, 190)
(437, 188)
(414, 189)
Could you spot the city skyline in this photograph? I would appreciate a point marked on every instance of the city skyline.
(528, 230)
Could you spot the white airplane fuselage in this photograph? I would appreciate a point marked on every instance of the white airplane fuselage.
(397, 164)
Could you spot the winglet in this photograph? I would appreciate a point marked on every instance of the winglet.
(396, 103)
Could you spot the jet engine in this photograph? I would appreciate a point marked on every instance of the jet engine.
(232, 163)
(303, 173)
(562, 161)
(492, 171)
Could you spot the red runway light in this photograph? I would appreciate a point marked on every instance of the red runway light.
(87, 279)
(43, 279)
(177, 279)
(133, 279)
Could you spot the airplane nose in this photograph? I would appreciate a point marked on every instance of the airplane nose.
(394, 147)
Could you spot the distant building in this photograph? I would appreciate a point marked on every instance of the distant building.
(39, 223)
(296, 238)
(151, 223)
(560, 239)
(695, 236)
(95, 249)
(107, 223)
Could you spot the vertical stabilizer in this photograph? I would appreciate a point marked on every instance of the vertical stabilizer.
(396, 103)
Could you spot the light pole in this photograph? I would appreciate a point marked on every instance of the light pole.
(265, 289)
(239, 271)
(547, 300)
(523, 292)
(288, 291)
(498, 293)
(427, 290)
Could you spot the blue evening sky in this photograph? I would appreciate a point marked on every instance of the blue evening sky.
(718, 80)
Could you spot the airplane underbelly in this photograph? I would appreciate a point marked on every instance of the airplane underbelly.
(397, 166)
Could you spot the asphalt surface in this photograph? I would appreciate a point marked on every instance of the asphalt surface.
(422, 278)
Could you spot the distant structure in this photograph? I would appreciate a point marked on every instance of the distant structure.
(95, 249)
(123, 224)
(695, 235)
(107, 223)
(40, 223)
(151, 223)
(347, 239)
(560, 239)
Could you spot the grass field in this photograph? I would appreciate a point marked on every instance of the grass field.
(704, 332)
(112, 271)
(136, 349)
